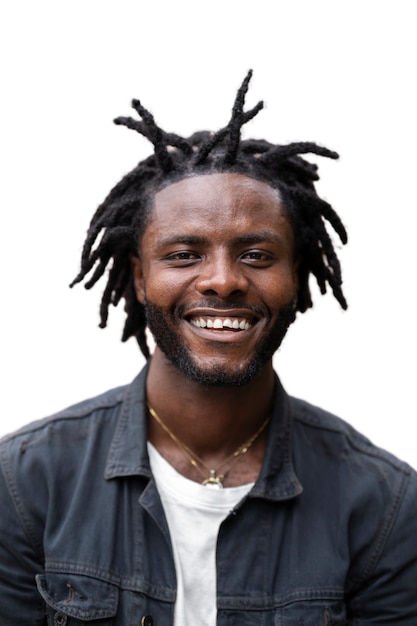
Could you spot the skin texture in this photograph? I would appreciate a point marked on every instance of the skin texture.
(217, 247)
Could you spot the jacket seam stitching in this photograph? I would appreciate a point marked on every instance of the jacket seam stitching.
(19, 506)
(383, 535)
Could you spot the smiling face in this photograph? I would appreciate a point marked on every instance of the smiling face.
(217, 276)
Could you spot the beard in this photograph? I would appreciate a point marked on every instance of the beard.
(162, 322)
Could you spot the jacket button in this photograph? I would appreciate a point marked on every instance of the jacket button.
(147, 620)
(60, 619)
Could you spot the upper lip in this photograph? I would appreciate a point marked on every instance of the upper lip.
(206, 312)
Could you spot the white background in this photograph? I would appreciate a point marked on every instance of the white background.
(339, 73)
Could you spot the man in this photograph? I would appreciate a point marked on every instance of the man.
(202, 492)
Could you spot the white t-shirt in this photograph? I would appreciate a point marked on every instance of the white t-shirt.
(194, 514)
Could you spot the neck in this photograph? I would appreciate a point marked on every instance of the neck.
(212, 421)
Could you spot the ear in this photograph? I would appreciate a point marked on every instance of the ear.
(138, 279)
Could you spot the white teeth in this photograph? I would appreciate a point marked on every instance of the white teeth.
(217, 323)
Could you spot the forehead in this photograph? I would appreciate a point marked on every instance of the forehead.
(218, 199)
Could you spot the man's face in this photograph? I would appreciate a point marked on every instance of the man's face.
(217, 276)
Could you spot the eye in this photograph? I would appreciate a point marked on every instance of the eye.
(259, 258)
(254, 256)
(183, 257)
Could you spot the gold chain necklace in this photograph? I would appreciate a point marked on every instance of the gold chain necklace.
(214, 479)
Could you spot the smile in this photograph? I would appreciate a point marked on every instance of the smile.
(220, 323)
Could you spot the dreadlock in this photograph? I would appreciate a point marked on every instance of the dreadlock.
(120, 220)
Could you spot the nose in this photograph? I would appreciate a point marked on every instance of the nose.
(221, 276)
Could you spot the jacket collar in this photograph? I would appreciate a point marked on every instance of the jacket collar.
(277, 479)
(128, 455)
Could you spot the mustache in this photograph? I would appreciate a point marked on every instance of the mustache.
(219, 305)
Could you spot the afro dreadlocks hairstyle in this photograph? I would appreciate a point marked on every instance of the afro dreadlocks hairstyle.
(119, 221)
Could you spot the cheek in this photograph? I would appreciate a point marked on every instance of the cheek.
(281, 287)
(162, 289)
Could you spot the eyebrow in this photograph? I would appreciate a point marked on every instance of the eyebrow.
(269, 236)
(249, 238)
(188, 239)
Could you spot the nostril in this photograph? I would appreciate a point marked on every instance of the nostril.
(222, 284)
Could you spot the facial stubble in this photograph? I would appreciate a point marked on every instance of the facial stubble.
(180, 355)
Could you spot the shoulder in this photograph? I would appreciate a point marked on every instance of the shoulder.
(66, 448)
(62, 446)
(339, 464)
(349, 477)
(342, 469)
(314, 426)
(101, 407)
(56, 447)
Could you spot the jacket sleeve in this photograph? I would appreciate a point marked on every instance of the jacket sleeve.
(20, 555)
(387, 593)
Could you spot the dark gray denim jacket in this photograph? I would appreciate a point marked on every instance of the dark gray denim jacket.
(328, 534)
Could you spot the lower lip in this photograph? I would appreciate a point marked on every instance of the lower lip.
(224, 335)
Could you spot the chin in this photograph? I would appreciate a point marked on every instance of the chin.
(218, 376)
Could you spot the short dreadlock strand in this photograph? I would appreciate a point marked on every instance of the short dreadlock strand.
(135, 322)
(217, 138)
(169, 139)
(322, 209)
(237, 118)
(233, 128)
(156, 136)
(100, 220)
(325, 265)
(117, 225)
(302, 147)
(235, 131)
(105, 253)
(117, 281)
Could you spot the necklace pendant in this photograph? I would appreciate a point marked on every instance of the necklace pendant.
(213, 481)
